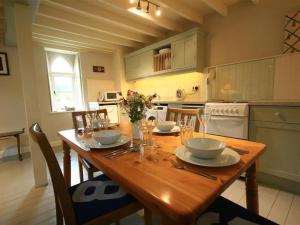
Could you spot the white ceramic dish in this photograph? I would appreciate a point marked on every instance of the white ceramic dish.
(227, 158)
(175, 129)
(205, 148)
(92, 143)
(164, 50)
(165, 125)
(107, 137)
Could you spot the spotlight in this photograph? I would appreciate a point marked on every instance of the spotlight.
(131, 1)
(158, 11)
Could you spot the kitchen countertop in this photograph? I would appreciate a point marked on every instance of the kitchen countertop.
(275, 102)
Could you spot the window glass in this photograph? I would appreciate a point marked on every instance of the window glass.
(64, 80)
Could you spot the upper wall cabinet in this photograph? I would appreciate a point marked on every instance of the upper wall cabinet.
(181, 53)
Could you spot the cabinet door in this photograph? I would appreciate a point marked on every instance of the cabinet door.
(178, 54)
(190, 51)
(131, 66)
(282, 156)
(145, 63)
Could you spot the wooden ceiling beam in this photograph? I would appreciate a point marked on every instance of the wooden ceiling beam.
(217, 5)
(75, 40)
(125, 5)
(89, 26)
(69, 44)
(183, 10)
(104, 38)
(90, 11)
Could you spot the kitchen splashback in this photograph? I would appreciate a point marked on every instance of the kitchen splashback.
(166, 86)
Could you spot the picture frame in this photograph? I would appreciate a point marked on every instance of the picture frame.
(4, 69)
(98, 69)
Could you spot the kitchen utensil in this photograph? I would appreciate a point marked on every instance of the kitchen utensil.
(205, 148)
(227, 158)
(178, 165)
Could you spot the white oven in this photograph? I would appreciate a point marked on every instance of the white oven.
(228, 119)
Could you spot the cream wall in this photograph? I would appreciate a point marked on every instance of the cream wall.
(96, 82)
(248, 31)
(166, 86)
(12, 113)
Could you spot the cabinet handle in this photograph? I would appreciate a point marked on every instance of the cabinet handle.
(277, 114)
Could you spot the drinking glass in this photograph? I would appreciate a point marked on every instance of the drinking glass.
(186, 130)
(143, 129)
(205, 117)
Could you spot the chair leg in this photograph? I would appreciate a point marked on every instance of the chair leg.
(80, 170)
(90, 175)
(148, 216)
(59, 215)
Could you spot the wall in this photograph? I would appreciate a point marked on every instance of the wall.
(92, 84)
(96, 82)
(248, 31)
(12, 115)
(166, 86)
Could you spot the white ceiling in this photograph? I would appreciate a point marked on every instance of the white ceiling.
(107, 25)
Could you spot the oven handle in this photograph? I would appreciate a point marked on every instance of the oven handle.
(232, 118)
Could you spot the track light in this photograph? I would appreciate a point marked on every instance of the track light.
(148, 8)
(158, 12)
(131, 1)
(138, 7)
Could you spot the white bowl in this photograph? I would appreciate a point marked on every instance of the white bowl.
(205, 148)
(107, 137)
(165, 125)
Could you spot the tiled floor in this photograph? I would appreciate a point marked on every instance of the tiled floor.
(22, 203)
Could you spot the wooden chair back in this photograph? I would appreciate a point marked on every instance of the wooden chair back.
(62, 196)
(176, 114)
(82, 115)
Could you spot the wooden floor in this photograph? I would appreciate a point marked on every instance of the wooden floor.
(22, 203)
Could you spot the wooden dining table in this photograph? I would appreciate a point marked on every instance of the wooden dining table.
(178, 196)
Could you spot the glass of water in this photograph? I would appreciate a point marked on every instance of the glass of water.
(205, 117)
(186, 130)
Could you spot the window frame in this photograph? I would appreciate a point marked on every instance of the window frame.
(77, 81)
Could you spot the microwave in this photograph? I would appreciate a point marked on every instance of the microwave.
(111, 96)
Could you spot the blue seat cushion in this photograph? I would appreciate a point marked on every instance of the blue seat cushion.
(224, 212)
(97, 197)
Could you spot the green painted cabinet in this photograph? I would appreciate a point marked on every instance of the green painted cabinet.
(187, 55)
(279, 128)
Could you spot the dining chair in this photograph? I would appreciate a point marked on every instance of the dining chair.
(97, 201)
(79, 118)
(176, 115)
(224, 211)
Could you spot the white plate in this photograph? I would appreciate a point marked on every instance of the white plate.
(174, 130)
(92, 143)
(227, 158)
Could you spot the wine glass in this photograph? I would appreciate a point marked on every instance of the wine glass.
(205, 117)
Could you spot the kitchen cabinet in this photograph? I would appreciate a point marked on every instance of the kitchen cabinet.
(140, 65)
(187, 55)
(184, 53)
(279, 128)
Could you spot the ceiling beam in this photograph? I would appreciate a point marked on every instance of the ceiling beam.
(217, 5)
(125, 5)
(69, 44)
(90, 11)
(76, 40)
(64, 46)
(183, 10)
(89, 26)
(79, 33)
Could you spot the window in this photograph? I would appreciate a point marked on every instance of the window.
(64, 80)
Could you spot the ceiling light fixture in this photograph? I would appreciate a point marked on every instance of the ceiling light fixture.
(149, 3)
(138, 7)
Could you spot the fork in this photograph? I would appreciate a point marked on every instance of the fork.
(178, 165)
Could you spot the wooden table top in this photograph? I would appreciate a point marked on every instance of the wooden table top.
(153, 180)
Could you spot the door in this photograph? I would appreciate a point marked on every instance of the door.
(178, 54)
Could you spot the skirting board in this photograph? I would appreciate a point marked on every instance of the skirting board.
(24, 149)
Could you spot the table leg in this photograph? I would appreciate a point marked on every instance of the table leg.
(148, 216)
(67, 163)
(252, 189)
(167, 221)
(19, 147)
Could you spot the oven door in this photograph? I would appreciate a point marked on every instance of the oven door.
(228, 126)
